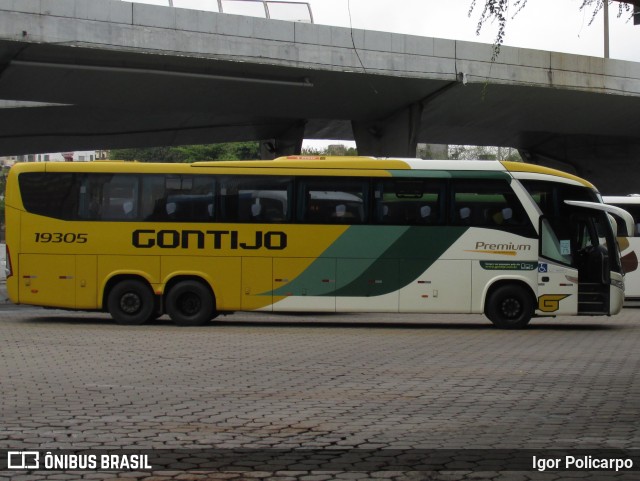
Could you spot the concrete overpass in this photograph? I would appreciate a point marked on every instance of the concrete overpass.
(107, 74)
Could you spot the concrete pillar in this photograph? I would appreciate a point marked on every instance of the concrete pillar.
(394, 136)
(289, 142)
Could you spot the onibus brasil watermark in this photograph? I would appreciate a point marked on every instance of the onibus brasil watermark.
(68, 461)
(331, 459)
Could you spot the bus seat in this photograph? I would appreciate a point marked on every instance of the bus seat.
(497, 216)
(119, 212)
(464, 215)
(425, 212)
(256, 209)
(390, 214)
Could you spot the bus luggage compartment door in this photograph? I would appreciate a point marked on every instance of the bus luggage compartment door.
(304, 284)
(444, 287)
(47, 280)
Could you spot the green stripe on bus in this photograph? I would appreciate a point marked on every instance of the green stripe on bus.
(365, 243)
(394, 270)
(372, 260)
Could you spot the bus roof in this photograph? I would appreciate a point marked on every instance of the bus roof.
(539, 169)
(317, 164)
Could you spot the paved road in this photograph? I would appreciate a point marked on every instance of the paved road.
(354, 382)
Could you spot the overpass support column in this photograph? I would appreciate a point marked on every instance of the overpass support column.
(394, 136)
(289, 142)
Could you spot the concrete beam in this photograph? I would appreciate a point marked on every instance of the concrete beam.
(117, 25)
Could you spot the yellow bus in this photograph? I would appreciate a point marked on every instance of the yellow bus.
(139, 240)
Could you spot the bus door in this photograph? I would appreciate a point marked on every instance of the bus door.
(597, 257)
(591, 258)
(574, 274)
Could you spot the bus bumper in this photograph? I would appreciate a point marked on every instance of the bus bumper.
(616, 294)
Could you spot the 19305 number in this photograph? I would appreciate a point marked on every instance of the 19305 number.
(61, 237)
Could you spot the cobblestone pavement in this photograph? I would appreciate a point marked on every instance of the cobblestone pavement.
(353, 382)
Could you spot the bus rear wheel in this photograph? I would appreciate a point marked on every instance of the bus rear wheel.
(190, 303)
(131, 302)
(509, 307)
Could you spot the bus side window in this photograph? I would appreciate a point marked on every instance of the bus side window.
(408, 201)
(489, 203)
(178, 198)
(120, 198)
(90, 201)
(255, 199)
(333, 201)
(54, 195)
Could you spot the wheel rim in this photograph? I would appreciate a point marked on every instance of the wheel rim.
(130, 303)
(511, 308)
(189, 304)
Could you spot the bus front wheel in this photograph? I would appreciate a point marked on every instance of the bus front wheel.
(509, 306)
(131, 302)
(190, 303)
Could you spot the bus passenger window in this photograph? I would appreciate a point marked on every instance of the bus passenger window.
(51, 194)
(408, 201)
(178, 198)
(120, 198)
(489, 203)
(255, 199)
(333, 201)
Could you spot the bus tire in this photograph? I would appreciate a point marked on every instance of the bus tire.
(190, 303)
(131, 302)
(509, 306)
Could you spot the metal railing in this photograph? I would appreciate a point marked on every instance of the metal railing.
(274, 9)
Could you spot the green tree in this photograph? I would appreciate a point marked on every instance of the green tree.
(478, 152)
(190, 153)
(338, 150)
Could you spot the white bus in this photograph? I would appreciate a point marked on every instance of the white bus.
(629, 242)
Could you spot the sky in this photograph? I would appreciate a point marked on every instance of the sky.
(556, 25)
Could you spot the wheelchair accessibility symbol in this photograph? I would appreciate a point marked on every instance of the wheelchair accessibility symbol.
(542, 267)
